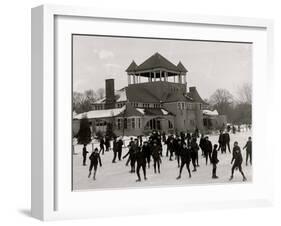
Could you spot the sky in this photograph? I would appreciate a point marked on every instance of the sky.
(210, 65)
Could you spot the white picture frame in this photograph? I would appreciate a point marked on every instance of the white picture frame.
(46, 94)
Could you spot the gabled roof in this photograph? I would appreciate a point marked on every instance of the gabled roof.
(181, 68)
(140, 94)
(132, 67)
(156, 61)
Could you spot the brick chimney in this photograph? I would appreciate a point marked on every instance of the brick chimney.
(109, 94)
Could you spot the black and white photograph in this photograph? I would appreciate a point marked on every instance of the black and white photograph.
(156, 112)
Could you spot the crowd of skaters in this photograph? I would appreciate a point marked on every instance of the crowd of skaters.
(183, 148)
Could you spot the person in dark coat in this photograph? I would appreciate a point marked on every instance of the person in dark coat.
(107, 143)
(115, 149)
(177, 148)
(119, 148)
(141, 163)
(185, 159)
(131, 143)
(147, 152)
(95, 159)
(226, 139)
(132, 155)
(102, 145)
(194, 153)
(221, 142)
(202, 144)
(214, 161)
(208, 149)
(84, 154)
(248, 147)
(170, 147)
(156, 155)
(237, 159)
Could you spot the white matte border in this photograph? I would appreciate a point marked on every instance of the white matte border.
(69, 205)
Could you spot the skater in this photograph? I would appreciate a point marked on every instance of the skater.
(115, 144)
(119, 148)
(194, 153)
(208, 149)
(95, 160)
(107, 143)
(170, 147)
(147, 153)
(185, 160)
(248, 147)
(226, 139)
(177, 149)
(156, 156)
(202, 144)
(141, 163)
(84, 154)
(102, 145)
(132, 155)
(237, 158)
(221, 142)
(214, 161)
(131, 143)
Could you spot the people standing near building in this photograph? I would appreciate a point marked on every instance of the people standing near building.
(147, 152)
(95, 160)
(84, 154)
(214, 160)
(119, 148)
(156, 156)
(208, 149)
(237, 159)
(194, 153)
(248, 147)
(102, 145)
(115, 149)
(185, 159)
(226, 139)
(141, 163)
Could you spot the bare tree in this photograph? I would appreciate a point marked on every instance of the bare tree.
(222, 100)
(100, 93)
(245, 94)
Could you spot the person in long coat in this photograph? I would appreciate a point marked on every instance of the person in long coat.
(84, 154)
(194, 153)
(208, 149)
(156, 155)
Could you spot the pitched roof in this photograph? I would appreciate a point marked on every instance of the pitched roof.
(140, 94)
(195, 95)
(181, 68)
(156, 61)
(132, 67)
(101, 113)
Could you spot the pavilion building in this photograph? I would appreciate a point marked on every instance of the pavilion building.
(156, 98)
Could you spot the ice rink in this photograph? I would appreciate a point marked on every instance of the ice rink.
(116, 175)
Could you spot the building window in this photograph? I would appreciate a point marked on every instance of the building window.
(179, 105)
(119, 123)
(125, 123)
(133, 123)
(182, 106)
(139, 122)
(170, 125)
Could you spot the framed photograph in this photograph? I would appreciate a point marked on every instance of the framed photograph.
(141, 112)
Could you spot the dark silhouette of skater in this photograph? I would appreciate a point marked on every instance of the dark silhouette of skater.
(185, 159)
(214, 161)
(237, 158)
(95, 160)
(248, 147)
(84, 154)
